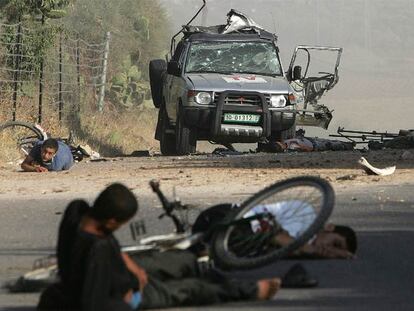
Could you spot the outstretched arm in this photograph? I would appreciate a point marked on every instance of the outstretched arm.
(28, 165)
(136, 270)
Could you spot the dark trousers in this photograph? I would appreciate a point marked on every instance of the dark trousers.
(175, 280)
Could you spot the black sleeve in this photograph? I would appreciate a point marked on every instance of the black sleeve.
(96, 287)
(67, 236)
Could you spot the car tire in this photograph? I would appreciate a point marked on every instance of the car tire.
(186, 137)
(167, 140)
(156, 69)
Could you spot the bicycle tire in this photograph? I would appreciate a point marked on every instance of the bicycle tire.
(224, 257)
(28, 142)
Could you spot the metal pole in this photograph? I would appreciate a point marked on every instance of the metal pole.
(78, 72)
(60, 78)
(104, 71)
(16, 69)
(39, 117)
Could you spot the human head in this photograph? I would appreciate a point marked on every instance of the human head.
(113, 207)
(349, 235)
(48, 150)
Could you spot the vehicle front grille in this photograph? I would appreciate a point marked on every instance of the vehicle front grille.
(240, 99)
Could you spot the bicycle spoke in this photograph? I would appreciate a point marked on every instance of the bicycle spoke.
(251, 245)
(299, 206)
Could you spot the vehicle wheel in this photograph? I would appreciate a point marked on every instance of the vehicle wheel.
(248, 237)
(167, 140)
(20, 136)
(156, 69)
(186, 137)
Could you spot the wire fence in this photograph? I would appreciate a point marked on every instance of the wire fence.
(47, 73)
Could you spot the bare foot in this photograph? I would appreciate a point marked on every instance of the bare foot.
(268, 288)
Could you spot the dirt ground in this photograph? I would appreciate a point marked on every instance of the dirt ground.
(206, 173)
(32, 203)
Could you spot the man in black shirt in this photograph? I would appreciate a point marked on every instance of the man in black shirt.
(93, 273)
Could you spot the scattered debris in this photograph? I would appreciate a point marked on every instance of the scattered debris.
(99, 160)
(371, 170)
(224, 152)
(407, 155)
(140, 153)
(58, 190)
(87, 151)
(404, 139)
(347, 177)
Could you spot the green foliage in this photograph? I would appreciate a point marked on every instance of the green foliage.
(52, 8)
(35, 40)
(35, 37)
(13, 10)
(139, 30)
(127, 89)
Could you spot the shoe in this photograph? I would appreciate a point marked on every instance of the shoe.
(298, 277)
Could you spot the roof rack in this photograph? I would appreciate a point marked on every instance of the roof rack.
(237, 23)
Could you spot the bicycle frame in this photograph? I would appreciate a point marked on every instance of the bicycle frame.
(182, 238)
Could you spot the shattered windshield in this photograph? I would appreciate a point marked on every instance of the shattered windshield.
(233, 57)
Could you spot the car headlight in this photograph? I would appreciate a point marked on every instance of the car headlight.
(278, 101)
(203, 98)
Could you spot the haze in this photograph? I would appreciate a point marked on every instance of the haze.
(375, 91)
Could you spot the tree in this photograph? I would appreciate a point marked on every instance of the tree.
(139, 29)
(13, 10)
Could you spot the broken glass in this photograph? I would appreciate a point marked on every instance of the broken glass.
(233, 57)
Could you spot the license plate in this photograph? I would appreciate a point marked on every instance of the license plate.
(242, 118)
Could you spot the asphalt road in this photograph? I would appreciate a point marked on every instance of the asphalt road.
(381, 278)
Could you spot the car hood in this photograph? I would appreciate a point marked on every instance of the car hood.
(237, 82)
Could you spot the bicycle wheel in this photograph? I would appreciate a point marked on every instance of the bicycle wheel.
(254, 234)
(19, 137)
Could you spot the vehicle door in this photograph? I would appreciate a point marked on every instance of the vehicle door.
(175, 82)
(312, 72)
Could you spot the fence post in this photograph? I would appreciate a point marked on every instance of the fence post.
(60, 78)
(39, 117)
(78, 72)
(16, 69)
(104, 71)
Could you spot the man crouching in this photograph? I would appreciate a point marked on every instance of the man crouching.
(48, 155)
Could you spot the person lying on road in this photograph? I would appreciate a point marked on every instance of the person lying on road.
(48, 155)
(333, 241)
(295, 216)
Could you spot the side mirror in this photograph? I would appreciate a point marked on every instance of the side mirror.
(297, 73)
(173, 68)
